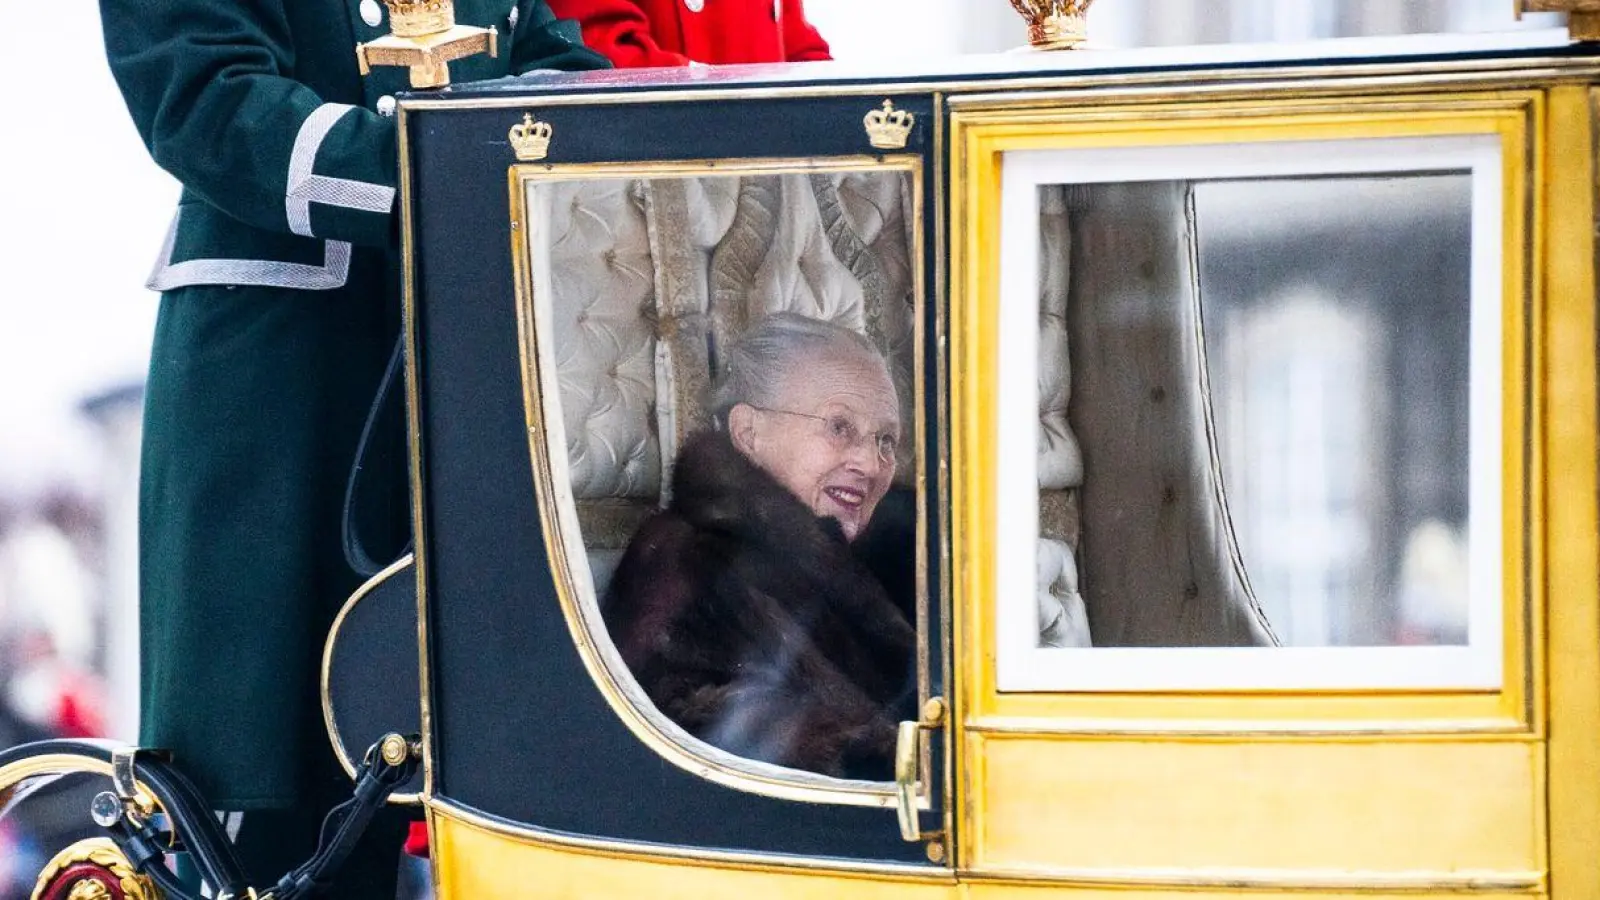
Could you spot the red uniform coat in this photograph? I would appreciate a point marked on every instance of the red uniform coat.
(638, 33)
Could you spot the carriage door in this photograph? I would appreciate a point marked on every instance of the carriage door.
(1284, 583)
(732, 644)
(757, 613)
(662, 660)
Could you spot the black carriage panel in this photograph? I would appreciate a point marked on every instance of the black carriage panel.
(520, 730)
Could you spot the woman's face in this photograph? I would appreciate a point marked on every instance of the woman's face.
(829, 436)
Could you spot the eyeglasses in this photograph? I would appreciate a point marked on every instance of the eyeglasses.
(844, 433)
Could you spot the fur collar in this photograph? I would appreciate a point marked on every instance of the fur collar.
(718, 489)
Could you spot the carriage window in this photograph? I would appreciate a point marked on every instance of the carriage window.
(1269, 416)
(725, 377)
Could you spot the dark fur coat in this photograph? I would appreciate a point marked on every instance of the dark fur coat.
(755, 626)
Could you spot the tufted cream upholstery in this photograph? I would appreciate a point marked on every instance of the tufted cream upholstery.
(1060, 460)
(799, 272)
(1063, 620)
(604, 337)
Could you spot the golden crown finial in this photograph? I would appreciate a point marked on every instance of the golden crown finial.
(419, 18)
(1055, 24)
(530, 139)
(889, 128)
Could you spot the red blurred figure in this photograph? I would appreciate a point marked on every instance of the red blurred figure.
(80, 706)
(643, 33)
(59, 698)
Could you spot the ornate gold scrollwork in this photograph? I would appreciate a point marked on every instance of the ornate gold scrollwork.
(99, 853)
(89, 889)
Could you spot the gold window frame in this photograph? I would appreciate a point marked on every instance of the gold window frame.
(563, 542)
(982, 130)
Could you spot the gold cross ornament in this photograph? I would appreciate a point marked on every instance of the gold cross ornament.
(425, 37)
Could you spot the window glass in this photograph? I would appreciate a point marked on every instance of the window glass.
(726, 367)
(1269, 416)
(1340, 395)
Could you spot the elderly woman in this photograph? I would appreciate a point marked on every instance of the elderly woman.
(744, 609)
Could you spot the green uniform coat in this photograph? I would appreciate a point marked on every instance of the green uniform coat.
(279, 309)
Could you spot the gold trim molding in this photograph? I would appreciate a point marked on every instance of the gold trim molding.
(1300, 880)
(413, 386)
(1086, 88)
(562, 541)
(332, 726)
(639, 851)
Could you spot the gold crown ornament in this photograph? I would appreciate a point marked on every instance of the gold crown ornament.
(530, 139)
(419, 18)
(1055, 24)
(889, 128)
(425, 37)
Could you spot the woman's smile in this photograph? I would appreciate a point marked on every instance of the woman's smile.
(849, 498)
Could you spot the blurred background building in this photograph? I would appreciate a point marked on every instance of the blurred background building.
(86, 211)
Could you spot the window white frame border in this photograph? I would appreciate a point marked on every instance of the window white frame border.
(1023, 666)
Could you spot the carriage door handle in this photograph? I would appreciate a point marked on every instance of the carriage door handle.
(908, 767)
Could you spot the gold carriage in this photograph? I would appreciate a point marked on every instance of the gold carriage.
(1249, 488)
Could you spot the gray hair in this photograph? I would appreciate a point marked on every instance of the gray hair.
(751, 370)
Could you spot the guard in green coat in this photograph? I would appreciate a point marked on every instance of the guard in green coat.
(279, 308)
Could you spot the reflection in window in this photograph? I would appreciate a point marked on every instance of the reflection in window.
(1297, 382)
(735, 358)
(1340, 388)
(1264, 406)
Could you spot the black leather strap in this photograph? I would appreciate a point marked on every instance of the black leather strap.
(384, 406)
(344, 826)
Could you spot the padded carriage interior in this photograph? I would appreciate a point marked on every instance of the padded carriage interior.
(647, 277)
